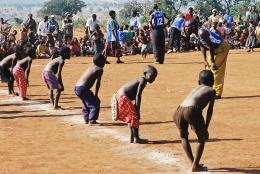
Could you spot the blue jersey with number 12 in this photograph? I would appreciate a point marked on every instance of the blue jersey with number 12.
(158, 19)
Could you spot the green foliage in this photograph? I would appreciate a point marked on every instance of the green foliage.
(143, 9)
(18, 21)
(59, 7)
(239, 8)
(171, 7)
(205, 6)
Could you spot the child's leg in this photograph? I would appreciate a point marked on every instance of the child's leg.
(21, 83)
(187, 148)
(11, 87)
(51, 97)
(57, 98)
(94, 107)
(131, 133)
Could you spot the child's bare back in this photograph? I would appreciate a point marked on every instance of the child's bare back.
(24, 63)
(90, 76)
(130, 89)
(7, 62)
(199, 96)
(53, 65)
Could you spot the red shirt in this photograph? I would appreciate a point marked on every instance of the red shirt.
(188, 16)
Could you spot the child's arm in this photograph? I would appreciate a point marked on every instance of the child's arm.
(27, 72)
(141, 86)
(210, 111)
(100, 73)
(61, 64)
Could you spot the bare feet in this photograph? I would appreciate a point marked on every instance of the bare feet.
(199, 168)
(141, 141)
(94, 123)
(57, 108)
(25, 98)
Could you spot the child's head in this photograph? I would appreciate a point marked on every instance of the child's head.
(65, 52)
(31, 52)
(121, 28)
(112, 14)
(99, 60)
(97, 27)
(150, 73)
(18, 49)
(126, 27)
(206, 77)
(220, 24)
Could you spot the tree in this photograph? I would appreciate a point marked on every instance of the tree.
(171, 7)
(59, 7)
(205, 6)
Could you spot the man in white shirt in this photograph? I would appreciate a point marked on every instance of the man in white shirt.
(90, 25)
(43, 28)
(135, 21)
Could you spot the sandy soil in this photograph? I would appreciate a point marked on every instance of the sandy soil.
(35, 139)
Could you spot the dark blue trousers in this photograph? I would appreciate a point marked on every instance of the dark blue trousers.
(91, 104)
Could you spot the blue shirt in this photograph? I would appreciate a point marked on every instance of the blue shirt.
(229, 20)
(121, 35)
(178, 23)
(112, 25)
(215, 39)
(158, 19)
(52, 25)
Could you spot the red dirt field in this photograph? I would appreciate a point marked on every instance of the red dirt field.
(37, 140)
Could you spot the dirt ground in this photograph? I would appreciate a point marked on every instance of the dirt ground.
(36, 140)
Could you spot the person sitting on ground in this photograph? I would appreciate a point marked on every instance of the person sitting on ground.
(42, 50)
(6, 68)
(53, 68)
(21, 72)
(75, 47)
(190, 112)
(91, 102)
(132, 91)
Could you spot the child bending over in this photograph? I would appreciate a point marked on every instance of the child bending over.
(53, 68)
(190, 113)
(90, 101)
(132, 91)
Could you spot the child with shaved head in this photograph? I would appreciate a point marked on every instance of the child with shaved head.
(132, 91)
(190, 113)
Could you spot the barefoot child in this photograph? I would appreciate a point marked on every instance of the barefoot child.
(53, 68)
(7, 65)
(91, 102)
(21, 72)
(132, 91)
(190, 112)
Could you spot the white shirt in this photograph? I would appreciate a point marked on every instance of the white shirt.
(43, 28)
(91, 24)
(135, 22)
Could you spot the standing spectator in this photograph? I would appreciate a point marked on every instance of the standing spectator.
(189, 15)
(135, 21)
(53, 24)
(249, 15)
(157, 22)
(255, 15)
(229, 19)
(43, 28)
(175, 33)
(91, 23)
(67, 28)
(98, 38)
(112, 43)
(30, 23)
(4, 30)
(214, 17)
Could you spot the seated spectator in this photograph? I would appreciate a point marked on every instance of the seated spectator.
(58, 34)
(42, 50)
(75, 47)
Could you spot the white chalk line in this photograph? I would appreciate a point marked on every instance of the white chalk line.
(130, 150)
